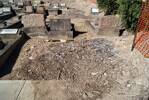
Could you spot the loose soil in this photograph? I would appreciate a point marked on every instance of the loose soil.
(87, 69)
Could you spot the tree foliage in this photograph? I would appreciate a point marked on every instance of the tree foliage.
(129, 11)
(110, 6)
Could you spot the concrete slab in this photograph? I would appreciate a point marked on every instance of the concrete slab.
(9, 90)
(27, 92)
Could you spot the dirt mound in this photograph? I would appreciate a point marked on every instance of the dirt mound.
(68, 60)
(91, 64)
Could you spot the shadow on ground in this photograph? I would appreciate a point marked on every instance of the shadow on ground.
(9, 63)
(76, 33)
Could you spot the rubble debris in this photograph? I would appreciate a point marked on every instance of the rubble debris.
(74, 59)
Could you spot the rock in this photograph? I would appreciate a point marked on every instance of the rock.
(90, 95)
(94, 73)
(126, 33)
(84, 96)
(31, 58)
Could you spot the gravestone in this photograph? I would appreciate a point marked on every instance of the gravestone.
(59, 25)
(34, 23)
(33, 20)
(109, 25)
(29, 9)
(40, 10)
(60, 29)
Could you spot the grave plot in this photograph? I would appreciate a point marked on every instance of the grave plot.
(9, 39)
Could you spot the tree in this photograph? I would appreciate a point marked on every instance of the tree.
(129, 10)
(110, 6)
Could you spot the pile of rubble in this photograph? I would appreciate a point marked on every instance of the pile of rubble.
(75, 60)
(90, 62)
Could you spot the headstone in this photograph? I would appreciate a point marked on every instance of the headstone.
(49, 17)
(95, 11)
(46, 6)
(60, 25)
(63, 5)
(29, 9)
(55, 6)
(60, 29)
(11, 1)
(81, 25)
(109, 25)
(9, 31)
(53, 12)
(27, 3)
(6, 9)
(110, 21)
(20, 4)
(34, 24)
(40, 10)
(33, 20)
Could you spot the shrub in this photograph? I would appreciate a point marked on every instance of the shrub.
(110, 6)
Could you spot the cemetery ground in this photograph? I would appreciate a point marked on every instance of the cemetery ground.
(90, 68)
